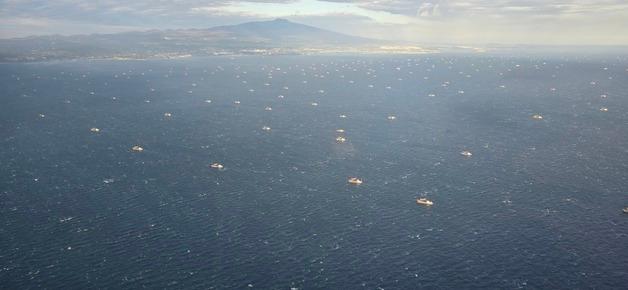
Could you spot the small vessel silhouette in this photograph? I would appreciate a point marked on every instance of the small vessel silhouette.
(216, 165)
(424, 201)
(355, 180)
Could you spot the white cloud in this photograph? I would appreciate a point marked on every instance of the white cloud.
(429, 9)
(24, 26)
(469, 21)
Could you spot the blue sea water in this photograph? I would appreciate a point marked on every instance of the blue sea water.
(537, 205)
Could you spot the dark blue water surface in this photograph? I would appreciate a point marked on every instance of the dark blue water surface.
(538, 205)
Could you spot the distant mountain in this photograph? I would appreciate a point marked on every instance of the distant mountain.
(278, 36)
(284, 32)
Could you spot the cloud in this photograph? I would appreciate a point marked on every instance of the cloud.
(454, 8)
(479, 21)
(11, 27)
(429, 9)
(105, 10)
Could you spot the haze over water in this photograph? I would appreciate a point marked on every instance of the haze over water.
(537, 205)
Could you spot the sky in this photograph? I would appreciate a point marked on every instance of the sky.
(536, 22)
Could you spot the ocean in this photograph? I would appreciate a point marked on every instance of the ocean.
(538, 204)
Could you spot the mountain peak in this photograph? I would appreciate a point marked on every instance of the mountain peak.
(281, 31)
(270, 35)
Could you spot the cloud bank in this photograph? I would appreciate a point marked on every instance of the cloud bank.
(582, 22)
